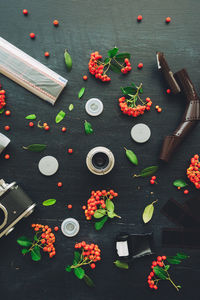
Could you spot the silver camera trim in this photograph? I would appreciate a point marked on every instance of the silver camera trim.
(5, 216)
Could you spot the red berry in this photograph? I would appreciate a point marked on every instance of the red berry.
(168, 91)
(159, 258)
(32, 35)
(46, 127)
(59, 184)
(186, 192)
(85, 77)
(139, 18)
(154, 263)
(7, 128)
(69, 206)
(152, 181)
(92, 266)
(46, 54)
(7, 156)
(7, 113)
(168, 20)
(70, 151)
(84, 207)
(25, 12)
(155, 287)
(55, 23)
(140, 65)
(56, 228)
(31, 124)
(153, 177)
(64, 129)
(164, 257)
(151, 274)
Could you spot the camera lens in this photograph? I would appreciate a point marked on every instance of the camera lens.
(100, 160)
(2, 216)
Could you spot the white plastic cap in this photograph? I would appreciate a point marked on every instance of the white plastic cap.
(94, 107)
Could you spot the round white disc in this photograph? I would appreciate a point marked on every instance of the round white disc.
(70, 227)
(48, 165)
(140, 133)
(94, 107)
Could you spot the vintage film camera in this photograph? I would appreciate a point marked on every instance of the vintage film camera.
(15, 204)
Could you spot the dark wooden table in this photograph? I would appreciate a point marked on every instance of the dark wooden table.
(86, 26)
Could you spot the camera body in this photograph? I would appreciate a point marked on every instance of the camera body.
(15, 204)
(100, 160)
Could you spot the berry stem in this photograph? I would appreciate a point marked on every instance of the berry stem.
(169, 278)
(118, 62)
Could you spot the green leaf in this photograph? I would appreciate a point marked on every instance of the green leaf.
(115, 68)
(35, 238)
(148, 213)
(123, 56)
(31, 117)
(110, 205)
(173, 260)
(24, 251)
(88, 281)
(2, 111)
(71, 107)
(148, 171)
(106, 60)
(131, 156)
(111, 214)
(35, 253)
(35, 147)
(81, 92)
(88, 128)
(121, 265)
(68, 60)
(129, 90)
(99, 213)
(68, 269)
(160, 272)
(77, 256)
(24, 241)
(79, 272)
(178, 286)
(179, 183)
(60, 116)
(112, 52)
(167, 267)
(49, 202)
(98, 225)
(141, 90)
(181, 255)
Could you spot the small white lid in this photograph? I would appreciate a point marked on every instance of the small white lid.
(48, 165)
(94, 107)
(140, 133)
(70, 227)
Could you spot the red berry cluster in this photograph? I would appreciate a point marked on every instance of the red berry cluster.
(132, 109)
(90, 253)
(96, 201)
(2, 98)
(46, 238)
(127, 68)
(152, 180)
(193, 172)
(96, 67)
(152, 280)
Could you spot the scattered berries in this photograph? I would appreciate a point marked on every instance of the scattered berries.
(92, 266)
(32, 35)
(158, 108)
(7, 113)
(25, 12)
(193, 172)
(56, 228)
(70, 151)
(152, 180)
(168, 91)
(85, 77)
(55, 23)
(31, 124)
(69, 206)
(139, 18)
(64, 129)
(186, 192)
(168, 20)
(59, 184)
(7, 156)
(46, 54)
(7, 128)
(140, 65)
